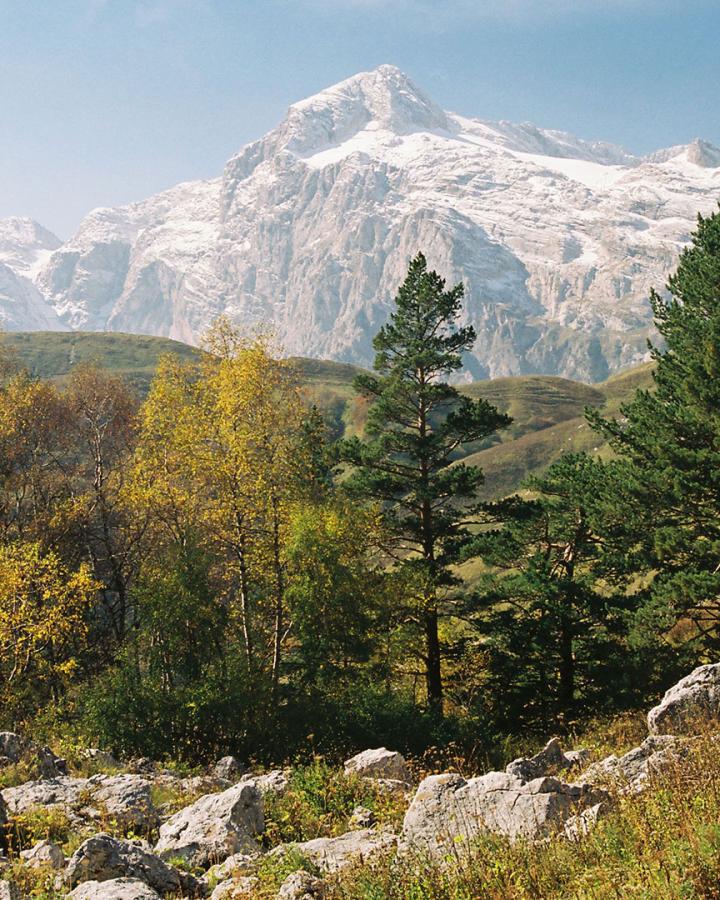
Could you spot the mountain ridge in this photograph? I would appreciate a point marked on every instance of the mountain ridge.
(309, 230)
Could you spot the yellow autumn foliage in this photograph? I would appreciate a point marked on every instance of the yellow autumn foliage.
(43, 606)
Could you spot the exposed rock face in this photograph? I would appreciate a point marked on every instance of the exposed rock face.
(214, 827)
(582, 823)
(236, 888)
(689, 704)
(380, 763)
(126, 798)
(102, 858)
(44, 854)
(9, 891)
(275, 782)
(229, 768)
(301, 886)
(310, 229)
(633, 768)
(334, 854)
(448, 812)
(549, 760)
(114, 889)
(64, 792)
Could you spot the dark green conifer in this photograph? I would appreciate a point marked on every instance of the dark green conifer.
(668, 441)
(416, 424)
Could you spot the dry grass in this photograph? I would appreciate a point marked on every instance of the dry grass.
(663, 843)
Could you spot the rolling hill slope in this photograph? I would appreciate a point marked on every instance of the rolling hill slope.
(547, 411)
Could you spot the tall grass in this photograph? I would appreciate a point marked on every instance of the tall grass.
(662, 843)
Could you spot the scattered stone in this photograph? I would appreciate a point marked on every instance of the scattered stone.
(9, 891)
(275, 782)
(689, 704)
(301, 885)
(333, 854)
(634, 768)
(44, 855)
(380, 763)
(362, 817)
(64, 792)
(229, 768)
(114, 889)
(102, 858)
(125, 798)
(548, 761)
(214, 827)
(12, 746)
(582, 823)
(233, 865)
(236, 888)
(448, 811)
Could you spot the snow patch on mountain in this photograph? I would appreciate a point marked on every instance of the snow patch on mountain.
(309, 229)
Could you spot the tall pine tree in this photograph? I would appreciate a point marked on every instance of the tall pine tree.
(668, 441)
(416, 424)
(553, 630)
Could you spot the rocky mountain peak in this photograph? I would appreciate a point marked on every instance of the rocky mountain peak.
(557, 239)
(704, 154)
(382, 99)
(25, 245)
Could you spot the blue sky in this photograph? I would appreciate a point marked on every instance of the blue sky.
(107, 101)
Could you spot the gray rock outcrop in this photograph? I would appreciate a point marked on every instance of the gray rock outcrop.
(274, 782)
(332, 854)
(448, 812)
(125, 798)
(380, 763)
(689, 704)
(301, 886)
(214, 827)
(114, 889)
(103, 858)
(44, 855)
(548, 761)
(632, 769)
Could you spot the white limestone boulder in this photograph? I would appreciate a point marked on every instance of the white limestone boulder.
(380, 763)
(214, 827)
(688, 705)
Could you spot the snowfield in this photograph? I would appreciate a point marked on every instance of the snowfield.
(310, 230)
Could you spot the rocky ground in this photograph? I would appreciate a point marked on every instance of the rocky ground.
(137, 831)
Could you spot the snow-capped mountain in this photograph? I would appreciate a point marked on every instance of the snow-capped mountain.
(310, 229)
(25, 247)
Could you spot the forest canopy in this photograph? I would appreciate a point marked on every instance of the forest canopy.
(209, 570)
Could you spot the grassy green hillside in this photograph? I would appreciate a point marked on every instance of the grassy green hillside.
(51, 354)
(547, 411)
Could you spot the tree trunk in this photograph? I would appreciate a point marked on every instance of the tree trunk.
(567, 668)
(245, 603)
(433, 673)
(279, 602)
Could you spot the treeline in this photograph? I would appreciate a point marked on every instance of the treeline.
(205, 571)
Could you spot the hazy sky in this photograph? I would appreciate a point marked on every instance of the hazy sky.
(107, 101)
